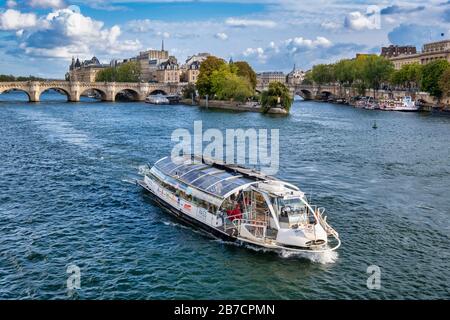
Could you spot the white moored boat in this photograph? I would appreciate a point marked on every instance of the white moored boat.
(239, 204)
(157, 99)
(405, 104)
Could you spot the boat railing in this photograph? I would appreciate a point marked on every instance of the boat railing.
(319, 211)
(257, 228)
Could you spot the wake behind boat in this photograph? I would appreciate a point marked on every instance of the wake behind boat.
(239, 204)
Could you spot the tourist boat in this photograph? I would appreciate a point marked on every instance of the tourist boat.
(239, 204)
(367, 103)
(157, 99)
(405, 104)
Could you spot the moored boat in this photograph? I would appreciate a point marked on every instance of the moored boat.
(157, 99)
(367, 103)
(239, 204)
(404, 104)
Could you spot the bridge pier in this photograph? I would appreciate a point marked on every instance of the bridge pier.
(34, 96)
(74, 92)
(34, 91)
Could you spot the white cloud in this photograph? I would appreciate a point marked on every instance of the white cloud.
(144, 25)
(299, 50)
(163, 34)
(300, 42)
(55, 4)
(64, 33)
(330, 25)
(15, 20)
(257, 53)
(173, 29)
(221, 36)
(358, 21)
(11, 3)
(250, 23)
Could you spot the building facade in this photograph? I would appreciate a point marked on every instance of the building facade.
(168, 71)
(430, 52)
(295, 77)
(394, 51)
(264, 78)
(191, 69)
(199, 57)
(149, 61)
(85, 71)
(190, 74)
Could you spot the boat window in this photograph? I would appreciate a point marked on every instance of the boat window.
(208, 180)
(294, 210)
(192, 175)
(224, 187)
(293, 205)
(216, 179)
(201, 176)
(188, 168)
(165, 165)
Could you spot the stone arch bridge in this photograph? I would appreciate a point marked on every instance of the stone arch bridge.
(107, 90)
(323, 92)
(311, 92)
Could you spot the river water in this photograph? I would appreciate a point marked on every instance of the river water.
(66, 197)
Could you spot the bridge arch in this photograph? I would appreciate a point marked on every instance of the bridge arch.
(305, 94)
(57, 89)
(13, 89)
(95, 90)
(127, 94)
(157, 91)
(325, 94)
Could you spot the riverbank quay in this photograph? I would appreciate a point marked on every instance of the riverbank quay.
(224, 105)
(351, 96)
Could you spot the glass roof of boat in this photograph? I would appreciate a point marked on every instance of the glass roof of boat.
(202, 176)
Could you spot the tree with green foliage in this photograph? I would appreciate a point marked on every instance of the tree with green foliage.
(225, 81)
(226, 84)
(9, 78)
(207, 67)
(125, 72)
(408, 76)
(189, 91)
(344, 72)
(444, 82)
(323, 74)
(245, 70)
(431, 74)
(307, 80)
(376, 70)
(277, 94)
(6, 78)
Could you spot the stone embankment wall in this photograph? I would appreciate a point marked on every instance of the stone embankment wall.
(226, 105)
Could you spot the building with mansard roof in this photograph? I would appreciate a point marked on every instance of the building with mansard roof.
(85, 71)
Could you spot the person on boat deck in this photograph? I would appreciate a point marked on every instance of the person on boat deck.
(235, 213)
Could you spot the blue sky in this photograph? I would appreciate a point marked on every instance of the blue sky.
(39, 37)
